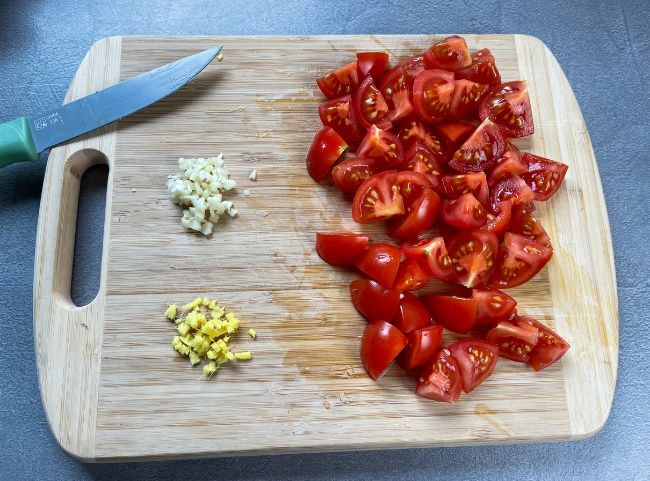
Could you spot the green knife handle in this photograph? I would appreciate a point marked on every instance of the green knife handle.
(16, 143)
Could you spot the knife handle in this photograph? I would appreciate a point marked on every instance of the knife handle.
(16, 143)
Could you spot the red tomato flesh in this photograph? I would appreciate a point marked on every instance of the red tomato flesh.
(374, 301)
(349, 174)
(439, 379)
(511, 188)
(419, 216)
(325, 150)
(383, 146)
(499, 223)
(411, 314)
(450, 54)
(431, 254)
(518, 261)
(341, 248)
(380, 262)
(515, 338)
(481, 150)
(410, 276)
(493, 306)
(473, 183)
(473, 254)
(455, 133)
(550, 346)
(370, 106)
(372, 64)
(482, 70)
(476, 360)
(396, 92)
(432, 93)
(525, 224)
(463, 213)
(510, 163)
(466, 99)
(508, 106)
(337, 113)
(422, 345)
(377, 198)
(455, 313)
(381, 343)
(342, 81)
(544, 176)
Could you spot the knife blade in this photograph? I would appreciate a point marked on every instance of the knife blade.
(23, 139)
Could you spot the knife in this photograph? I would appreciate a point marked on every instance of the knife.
(24, 138)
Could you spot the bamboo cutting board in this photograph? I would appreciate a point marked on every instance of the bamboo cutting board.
(113, 388)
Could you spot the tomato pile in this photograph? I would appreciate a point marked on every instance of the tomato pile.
(433, 159)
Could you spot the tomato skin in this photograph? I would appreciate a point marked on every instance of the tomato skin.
(481, 150)
(493, 306)
(511, 188)
(412, 67)
(380, 262)
(383, 146)
(423, 160)
(431, 254)
(324, 151)
(411, 314)
(550, 346)
(419, 217)
(515, 338)
(454, 134)
(410, 276)
(473, 254)
(338, 114)
(458, 314)
(439, 379)
(476, 360)
(342, 81)
(349, 174)
(525, 224)
(341, 248)
(372, 64)
(371, 107)
(458, 185)
(463, 213)
(510, 163)
(432, 93)
(544, 176)
(450, 54)
(386, 201)
(396, 92)
(518, 261)
(381, 343)
(466, 99)
(499, 223)
(422, 346)
(482, 70)
(411, 185)
(374, 301)
(414, 131)
(508, 106)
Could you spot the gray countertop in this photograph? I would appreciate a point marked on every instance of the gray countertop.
(604, 49)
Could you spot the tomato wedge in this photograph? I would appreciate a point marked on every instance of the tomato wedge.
(411, 314)
(455, 313)
(480, 150)
(473, 183)
(337, 113)
(381, 343)
(341, 248)
(511, 163)
(482, 70)
(476, 360)
(325, 149)
(544, 176)
(410, 276)
(412, 67)
(511, 188)
(449, 54)
(550, 346)
(377, 198)
(374, 301)
(473, 254)
(454, 134)
(411, 185)
(499, 223)
(414, 130)
(372, 64)
(518, 261)
(423, 160)
(493, 306)
(466, 99)
(440, 378)
(515, 338)
(370, 106)
(422, 346)
(419, 217)
(463, 213)
(525, 224)
(395, 90)
(349, 174)
(431, 254)
(432, 93)
(508, 106)
(342, 81)
(383, 146)
(380, 262)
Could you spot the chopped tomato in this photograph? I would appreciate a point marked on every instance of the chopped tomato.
(422, 345)
(493, 306)
(525, 224)
(414, 130)
(511, 188)
(396, 92)
(440, 378)
(342, 81)
(374, 301)
(325, 149)
(432, 93)
(410, 276)
(419, 216)
(350, 174)
(550, 346)
(500, 222)
(450, 54)
(383, 146)
(370, 106)
(337, 113)
(341, 248)
(463, 213)
(544, 176)
(423, 160)
(455, 313)
(482, 70)
(518, 261)
(473, 183)
(411, 314)
(372, 64)
(381, 343)
(473, 254)
(454, 134)
(515, 338)
(380, 262)
(480, 150)
(466, 99)
(411, 185)
(378, 198)
(412, 67)
(431, 254)
(508, 106)
(476, 360)
(510, 163)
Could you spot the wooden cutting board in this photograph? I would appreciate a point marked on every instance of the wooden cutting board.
(112, 386)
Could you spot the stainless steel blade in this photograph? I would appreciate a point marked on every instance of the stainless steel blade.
(113, 103)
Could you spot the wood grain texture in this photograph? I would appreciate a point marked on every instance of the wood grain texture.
(112, 386)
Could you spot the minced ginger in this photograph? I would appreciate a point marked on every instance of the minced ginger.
(204, 332)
